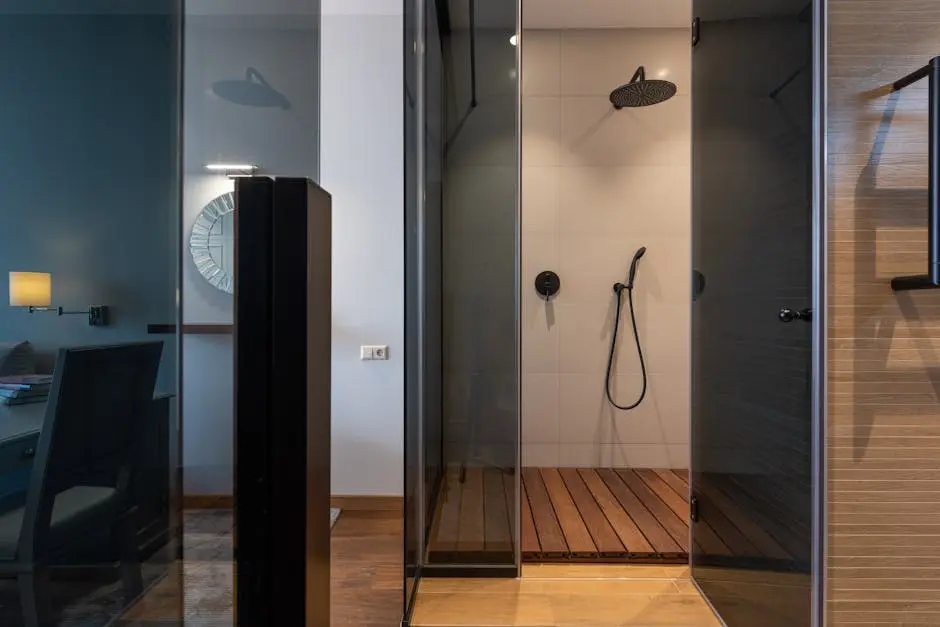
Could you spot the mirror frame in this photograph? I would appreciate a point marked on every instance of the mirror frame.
(215, 210)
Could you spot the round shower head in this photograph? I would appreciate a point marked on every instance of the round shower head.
(252, 91)
(640, 92)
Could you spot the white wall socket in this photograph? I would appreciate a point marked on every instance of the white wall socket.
(373, 353)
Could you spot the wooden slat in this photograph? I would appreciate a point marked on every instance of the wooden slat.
(675, 482)
(551, 538)
(604, 536)
(576, 532)
(705, 538)
(746, 522)
(682, 474)
(708, 541)
(661, 540)
(786, 535)
(530, 537)
(713, 515)
(626, 529)
(447, 524)
(677, 528)
(497, 529)
(471, 531)
(666, 494)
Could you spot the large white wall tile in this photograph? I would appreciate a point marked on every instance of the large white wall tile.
(639, 199)
(541, 130)
(540, 455)
(541, 195)
(541, 63)
(594, 133)
(540, 404)
(595, 62)
(597, 185)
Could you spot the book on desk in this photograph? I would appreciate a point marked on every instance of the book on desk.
(23, 389)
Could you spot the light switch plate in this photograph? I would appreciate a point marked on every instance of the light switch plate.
(366, 353)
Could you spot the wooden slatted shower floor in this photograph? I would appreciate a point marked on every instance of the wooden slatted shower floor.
(634, 515)
(568, 514)
(624, 514)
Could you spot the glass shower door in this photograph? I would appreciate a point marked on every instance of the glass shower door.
(754, 440)
(461, 312)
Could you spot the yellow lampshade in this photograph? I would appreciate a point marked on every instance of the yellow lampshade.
(30, 289)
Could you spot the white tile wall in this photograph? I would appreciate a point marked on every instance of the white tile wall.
(596, 185)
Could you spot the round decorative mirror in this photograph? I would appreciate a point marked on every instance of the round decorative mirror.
(212, 242)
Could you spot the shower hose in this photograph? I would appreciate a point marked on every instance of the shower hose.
(613, 347)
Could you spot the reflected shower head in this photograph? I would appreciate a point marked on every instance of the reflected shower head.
(252, 91)
(640, 92)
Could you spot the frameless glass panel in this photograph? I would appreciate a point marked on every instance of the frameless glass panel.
(477, 93)
(414, 440)
(251, 107)
(752, 340)
(90, 198)
(462, 165)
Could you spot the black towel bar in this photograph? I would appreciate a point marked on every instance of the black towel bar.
(931, 280)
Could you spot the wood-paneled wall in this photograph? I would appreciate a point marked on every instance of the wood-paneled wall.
(884, 413)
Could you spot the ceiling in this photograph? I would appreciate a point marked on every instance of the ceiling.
(606, 13)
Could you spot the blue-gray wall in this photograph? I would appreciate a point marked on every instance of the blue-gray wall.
(89, 185)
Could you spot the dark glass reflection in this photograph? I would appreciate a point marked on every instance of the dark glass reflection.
(465, 237)
(90, 197)
(752, 163)
(413, 437)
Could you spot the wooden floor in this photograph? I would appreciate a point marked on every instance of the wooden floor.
(366, 578)
(567, 595)
(624, 515)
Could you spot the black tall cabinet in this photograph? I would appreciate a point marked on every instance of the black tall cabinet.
(282, 402)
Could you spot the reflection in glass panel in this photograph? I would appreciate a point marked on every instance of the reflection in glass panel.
(471, 217)
(251, 106)
(413, 437)
(89, 503)
(752, 233)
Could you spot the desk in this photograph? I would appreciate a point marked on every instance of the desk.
(19, 421)
(20, 426)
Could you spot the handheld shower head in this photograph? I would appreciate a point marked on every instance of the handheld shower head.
(633, 265)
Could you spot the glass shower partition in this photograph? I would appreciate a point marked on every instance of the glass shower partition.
(462, 129)
(758, 315)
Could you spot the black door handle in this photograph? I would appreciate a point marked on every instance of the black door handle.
(789, 315)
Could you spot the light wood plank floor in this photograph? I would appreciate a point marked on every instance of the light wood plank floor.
(577, 595)
(366, 578)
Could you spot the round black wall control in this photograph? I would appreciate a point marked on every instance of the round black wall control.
(547, 284)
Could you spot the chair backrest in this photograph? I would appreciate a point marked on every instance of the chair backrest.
(99, 397)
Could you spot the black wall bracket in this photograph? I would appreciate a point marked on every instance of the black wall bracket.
(931, 280)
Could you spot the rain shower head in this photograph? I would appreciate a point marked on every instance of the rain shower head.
(252, 91)
(640, 92)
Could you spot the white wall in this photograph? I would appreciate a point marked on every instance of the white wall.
(360, 164)
(597, 185)
(220, 46)
(362, 156)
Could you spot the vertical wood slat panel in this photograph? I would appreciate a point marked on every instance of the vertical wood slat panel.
(884, 348)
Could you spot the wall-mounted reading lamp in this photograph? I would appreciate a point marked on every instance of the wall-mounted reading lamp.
(931, 280)
(33, 290)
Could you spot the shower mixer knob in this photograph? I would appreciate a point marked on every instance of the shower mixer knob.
(547, 284)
